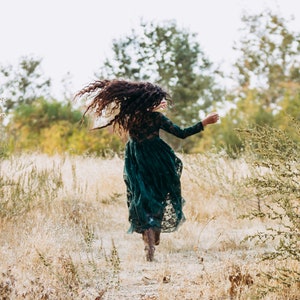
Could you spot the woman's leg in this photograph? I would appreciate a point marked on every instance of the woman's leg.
(149, 241)
(156, 237)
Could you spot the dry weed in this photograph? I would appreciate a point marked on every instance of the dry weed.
(238, 282)
(70, 241)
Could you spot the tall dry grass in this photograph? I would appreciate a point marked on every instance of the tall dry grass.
(63, 233)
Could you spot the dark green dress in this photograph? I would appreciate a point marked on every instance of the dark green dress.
(152, 175)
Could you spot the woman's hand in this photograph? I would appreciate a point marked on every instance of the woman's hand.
(163, 105)
(210, 119)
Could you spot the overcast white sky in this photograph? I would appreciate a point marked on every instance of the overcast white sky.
(76, 35)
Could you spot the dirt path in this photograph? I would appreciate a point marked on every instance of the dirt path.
(191, 272)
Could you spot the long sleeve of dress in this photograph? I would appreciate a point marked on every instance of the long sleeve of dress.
(170, 127)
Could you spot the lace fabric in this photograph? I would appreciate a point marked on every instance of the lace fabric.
(152, 175)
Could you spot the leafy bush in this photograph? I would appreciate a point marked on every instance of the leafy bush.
(53, 127)
(277, 187)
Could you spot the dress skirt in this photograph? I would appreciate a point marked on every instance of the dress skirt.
(152, 176)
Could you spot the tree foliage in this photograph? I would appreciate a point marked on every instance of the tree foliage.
(270, 57)
(53, 127)
(24, 83)
(267, 73)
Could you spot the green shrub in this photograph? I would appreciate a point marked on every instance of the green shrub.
(277, 188)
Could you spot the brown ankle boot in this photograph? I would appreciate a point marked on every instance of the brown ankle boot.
(149, 239)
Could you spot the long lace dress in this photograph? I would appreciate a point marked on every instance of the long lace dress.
(152, 175)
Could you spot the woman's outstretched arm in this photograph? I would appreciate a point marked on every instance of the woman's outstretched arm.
(169, 126)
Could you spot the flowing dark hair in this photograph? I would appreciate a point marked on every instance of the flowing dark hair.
(125, 102)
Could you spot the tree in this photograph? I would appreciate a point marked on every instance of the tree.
(23, 84)
(268, 77)
(172, 57)
(270, 57)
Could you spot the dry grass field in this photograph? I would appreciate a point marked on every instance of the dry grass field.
(63, 233)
